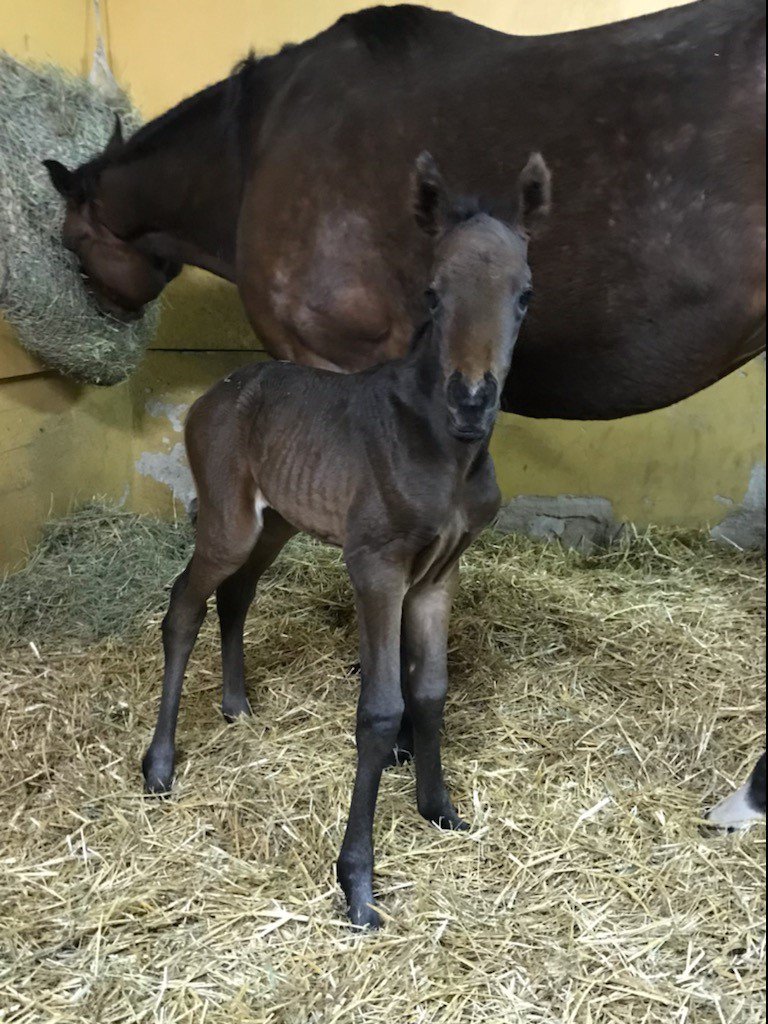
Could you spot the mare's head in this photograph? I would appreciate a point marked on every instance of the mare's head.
(121, 278)
(480, 289)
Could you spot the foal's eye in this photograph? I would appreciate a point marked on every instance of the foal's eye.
(433, 300)
(525, 299)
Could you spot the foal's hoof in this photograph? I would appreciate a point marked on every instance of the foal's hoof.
(158, 774)
(447, 819)
(365, 916)
(354, 876)
(234, 709)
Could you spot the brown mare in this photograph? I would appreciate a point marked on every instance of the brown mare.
(389, 464)
(290, 178)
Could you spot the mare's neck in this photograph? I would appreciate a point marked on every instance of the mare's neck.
(174, 188)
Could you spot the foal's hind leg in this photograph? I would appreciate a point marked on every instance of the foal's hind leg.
(222, 546)
(233, 599)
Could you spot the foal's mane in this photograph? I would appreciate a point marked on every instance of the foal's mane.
(152, 135)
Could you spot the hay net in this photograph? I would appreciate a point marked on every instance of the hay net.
(47, 113)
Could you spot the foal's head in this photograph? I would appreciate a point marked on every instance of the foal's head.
(480, 289)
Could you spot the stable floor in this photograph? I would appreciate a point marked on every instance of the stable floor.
(598, 704)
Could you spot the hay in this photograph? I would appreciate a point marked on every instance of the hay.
(95, 574)
(597, 704)
(47, 113)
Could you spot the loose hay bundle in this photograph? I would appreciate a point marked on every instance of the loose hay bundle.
(597, 703)
(47, 113)
(95, 574)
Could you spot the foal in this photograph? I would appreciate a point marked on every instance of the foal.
(392, 466)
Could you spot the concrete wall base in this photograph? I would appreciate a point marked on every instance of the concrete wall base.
(588, 523)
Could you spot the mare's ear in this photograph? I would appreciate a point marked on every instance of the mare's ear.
(534, 190)
(430, 197)
(116, 139)
(63, 180)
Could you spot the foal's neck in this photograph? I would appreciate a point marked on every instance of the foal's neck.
(174, 188)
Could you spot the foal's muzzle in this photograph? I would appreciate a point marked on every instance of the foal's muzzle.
(472, 407)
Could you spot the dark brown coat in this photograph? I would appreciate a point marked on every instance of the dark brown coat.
(291, 178)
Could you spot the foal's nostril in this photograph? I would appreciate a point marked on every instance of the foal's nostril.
(471, 406)
(471, 397)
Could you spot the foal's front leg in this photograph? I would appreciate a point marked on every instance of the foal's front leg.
(426, 612)
(379, 589)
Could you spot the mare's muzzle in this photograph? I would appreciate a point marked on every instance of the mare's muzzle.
(472, 407)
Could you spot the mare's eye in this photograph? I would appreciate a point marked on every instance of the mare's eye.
(433, 300)
(525, 299)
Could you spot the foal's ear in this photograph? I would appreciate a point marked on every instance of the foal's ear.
(116, 139)
(62, 179)
(430, 197)
(534, 189)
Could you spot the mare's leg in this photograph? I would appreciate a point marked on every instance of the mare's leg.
(745, 805)
(426, 612)
(223, 543)
(379, 588)
(233, 599)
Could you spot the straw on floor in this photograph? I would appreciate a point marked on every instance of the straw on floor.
(598, 703)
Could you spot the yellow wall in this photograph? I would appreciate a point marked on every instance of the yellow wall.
(683, 465)
(55, 31)
(60, 443)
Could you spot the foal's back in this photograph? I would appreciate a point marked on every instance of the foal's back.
(321, 448)
(274, 429)
(308, 443)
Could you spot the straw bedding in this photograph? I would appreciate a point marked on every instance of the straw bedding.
(47, 113)
(597, 704)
